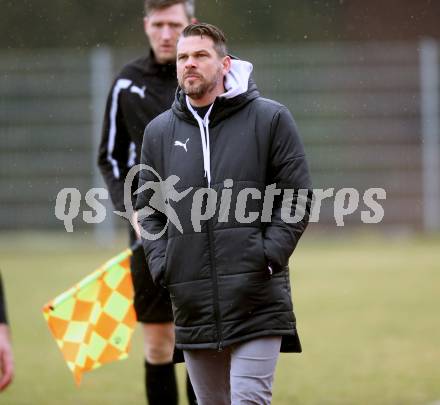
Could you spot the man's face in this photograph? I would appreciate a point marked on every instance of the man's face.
(163, 28)
(199, 68)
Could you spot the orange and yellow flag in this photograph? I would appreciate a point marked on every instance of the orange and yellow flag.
(93, 321)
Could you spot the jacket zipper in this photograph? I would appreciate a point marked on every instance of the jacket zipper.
(214, 278)
(215, 284)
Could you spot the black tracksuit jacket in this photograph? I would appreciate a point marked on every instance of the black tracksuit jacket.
(141, 91)
(217, 278)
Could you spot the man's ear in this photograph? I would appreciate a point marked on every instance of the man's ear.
(194, 20)
(145, 24)
(226, 62)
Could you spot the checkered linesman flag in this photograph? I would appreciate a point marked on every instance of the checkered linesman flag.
(93, 321)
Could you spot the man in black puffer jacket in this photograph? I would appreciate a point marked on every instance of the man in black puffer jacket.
(226, 269)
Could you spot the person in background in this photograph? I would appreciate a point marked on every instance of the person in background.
(6, 359)
(141, 91)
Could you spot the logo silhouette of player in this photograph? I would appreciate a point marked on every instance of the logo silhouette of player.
(163, 193)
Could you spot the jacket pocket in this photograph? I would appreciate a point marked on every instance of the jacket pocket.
(168, 262)
(267, 268)
(165, 277)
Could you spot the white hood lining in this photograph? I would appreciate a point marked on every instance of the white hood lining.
(237, 79)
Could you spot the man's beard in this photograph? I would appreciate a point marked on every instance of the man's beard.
(197, 91)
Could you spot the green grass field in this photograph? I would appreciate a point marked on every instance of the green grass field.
(367, 309)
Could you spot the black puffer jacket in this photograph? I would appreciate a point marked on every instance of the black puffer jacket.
(218, 280)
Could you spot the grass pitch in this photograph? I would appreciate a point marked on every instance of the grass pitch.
(367, 309)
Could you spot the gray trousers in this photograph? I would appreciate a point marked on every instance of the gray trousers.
(241, 374)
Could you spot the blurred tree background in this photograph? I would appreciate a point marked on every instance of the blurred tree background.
(30, 24)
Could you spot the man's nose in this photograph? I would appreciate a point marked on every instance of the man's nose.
(166, 33)
(190, 63)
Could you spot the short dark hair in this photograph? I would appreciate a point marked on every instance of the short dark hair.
(150, 5)
(208, 30)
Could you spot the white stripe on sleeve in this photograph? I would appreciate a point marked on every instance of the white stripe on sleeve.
(132, 155)
(119, 85)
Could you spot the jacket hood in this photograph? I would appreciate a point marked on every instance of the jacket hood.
(240, 90)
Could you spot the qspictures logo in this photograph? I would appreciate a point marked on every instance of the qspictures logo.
(207, 203)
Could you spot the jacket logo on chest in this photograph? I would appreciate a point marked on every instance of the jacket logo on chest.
(183, 145)
(139, 91)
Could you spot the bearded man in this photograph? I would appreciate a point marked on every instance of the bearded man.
(229, 280)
